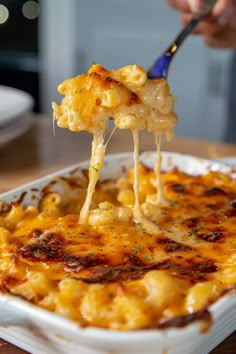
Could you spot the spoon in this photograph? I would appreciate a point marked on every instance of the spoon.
(160, 67)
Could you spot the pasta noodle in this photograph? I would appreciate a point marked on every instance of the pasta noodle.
(152, 249)
(113, 274)
(133, 101)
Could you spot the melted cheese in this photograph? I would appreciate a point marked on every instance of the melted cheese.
(150, 250)
(134, 102)
(161, 199)
(114, 273)
(96, 163)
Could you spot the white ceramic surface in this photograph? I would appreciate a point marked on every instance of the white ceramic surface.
(15, 106)
(40, 331)
(16, 129)
(230, 160)
(13, 102)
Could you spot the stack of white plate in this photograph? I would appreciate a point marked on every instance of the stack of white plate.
(231, 160)
(15, 117)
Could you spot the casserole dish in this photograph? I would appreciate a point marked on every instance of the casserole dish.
(40, 331)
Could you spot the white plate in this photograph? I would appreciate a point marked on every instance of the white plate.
(16, 129)
(230, 160)
(40, 331)
(13, 104)
(15, 108)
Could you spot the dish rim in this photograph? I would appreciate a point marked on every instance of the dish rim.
(210, 165)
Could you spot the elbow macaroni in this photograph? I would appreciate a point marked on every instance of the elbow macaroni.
(130, 254)
(111, 273)
(127, 96)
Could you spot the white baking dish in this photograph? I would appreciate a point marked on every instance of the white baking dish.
(40, 331)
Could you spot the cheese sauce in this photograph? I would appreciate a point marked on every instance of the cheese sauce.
(135, 103)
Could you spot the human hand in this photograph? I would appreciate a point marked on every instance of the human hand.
(219, 28)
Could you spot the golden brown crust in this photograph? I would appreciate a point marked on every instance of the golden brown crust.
(124, 94)
(192, 256)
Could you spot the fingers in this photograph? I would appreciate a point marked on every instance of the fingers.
(222, 10)
(223, 39)
(193, 6)
(219, 28)
(225, 15)
(209, 26)
(223, 6)
(181, 5)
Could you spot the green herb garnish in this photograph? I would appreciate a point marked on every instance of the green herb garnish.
(148, 258)
(136, 249)
(172, 204)
(95, 168)
(197, 228)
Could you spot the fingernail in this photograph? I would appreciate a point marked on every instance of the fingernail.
(195, 5)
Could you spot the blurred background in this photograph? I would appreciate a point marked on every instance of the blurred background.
(44, 42)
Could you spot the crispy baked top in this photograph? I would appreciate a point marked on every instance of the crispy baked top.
(194, 251)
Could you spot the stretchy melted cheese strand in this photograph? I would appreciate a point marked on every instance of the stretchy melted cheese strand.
(96, 164)
(161, 199)
(134, 102)
(138, 215)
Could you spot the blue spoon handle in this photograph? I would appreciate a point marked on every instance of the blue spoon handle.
(160, 67)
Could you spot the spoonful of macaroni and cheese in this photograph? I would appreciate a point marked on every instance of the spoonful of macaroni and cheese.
(134, 102)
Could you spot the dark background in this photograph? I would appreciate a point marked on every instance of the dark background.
(19, 62)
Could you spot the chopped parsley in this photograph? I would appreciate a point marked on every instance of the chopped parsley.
(148, 258)
(93, 62)
(197, 228)
(79, 90)
(95, 168)
(172, 204)
(136, 249)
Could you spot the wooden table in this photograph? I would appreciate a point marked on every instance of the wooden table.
(39, 152)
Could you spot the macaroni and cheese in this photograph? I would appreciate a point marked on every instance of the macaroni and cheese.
(151, 249)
